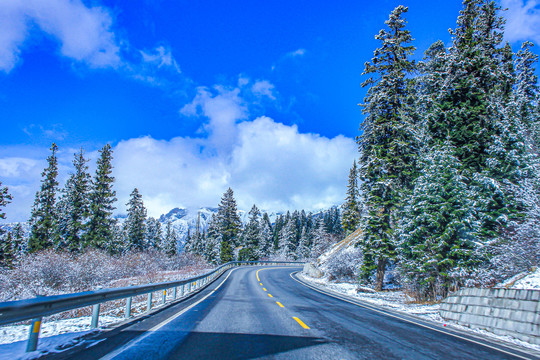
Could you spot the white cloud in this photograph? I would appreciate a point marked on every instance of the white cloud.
(161, 58)
(84, 33)
(263, 88)
(265, 162)
(298, 52)
(522, 20)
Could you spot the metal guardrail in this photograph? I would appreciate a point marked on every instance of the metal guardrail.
(35, 309)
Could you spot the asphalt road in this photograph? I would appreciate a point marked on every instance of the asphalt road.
(263, 313)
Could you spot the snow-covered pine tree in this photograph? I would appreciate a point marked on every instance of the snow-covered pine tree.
(213, 241)
(44, 218)
(6, 251)
(471, 111)
(438, 228)
(229, 223)
(5, 198)
(287, 239)
(74, 206)
(170, 245)
(303, 250)
(320, 239)
(252, 232)
(102, 198)
(527, 94)
(351, 209)
(135, 225)
(266, 238)
(154, 234)
(387, 149)
(19, 244)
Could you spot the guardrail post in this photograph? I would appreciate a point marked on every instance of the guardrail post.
(174, 292)
(182, 291)
(127, 314)
(149, 302)
(95, 316)
(33, 337)
(164, 296)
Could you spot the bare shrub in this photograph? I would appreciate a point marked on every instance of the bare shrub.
(52, 273)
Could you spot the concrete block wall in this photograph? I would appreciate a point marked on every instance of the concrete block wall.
(512, 312)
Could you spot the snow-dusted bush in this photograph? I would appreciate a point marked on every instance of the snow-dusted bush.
(344, 266)
(51, 273)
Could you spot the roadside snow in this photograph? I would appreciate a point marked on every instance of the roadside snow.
(399, 301)
(55, 336)
(531, 281)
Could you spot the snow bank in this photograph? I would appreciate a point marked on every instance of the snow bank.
(531, 281)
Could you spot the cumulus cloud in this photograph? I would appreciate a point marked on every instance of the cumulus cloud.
(522, 20)
(84, 33)
(266, 163)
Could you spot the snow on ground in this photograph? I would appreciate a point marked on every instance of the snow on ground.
(531, 281)
(57, 334)
(399, 301)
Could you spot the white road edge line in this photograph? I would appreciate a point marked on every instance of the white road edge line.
(135, 341)
(405, 319)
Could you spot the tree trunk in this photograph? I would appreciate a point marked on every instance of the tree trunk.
(381, 268)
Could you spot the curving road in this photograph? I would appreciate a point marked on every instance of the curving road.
(262, 312)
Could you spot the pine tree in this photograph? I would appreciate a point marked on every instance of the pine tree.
(171, 240)
(266, 239)
(154, 233)
(135, 225)
(6, 251)
(438, 229)
(252, 231)
(303, 250)
(387, 149)
(44, 217)
(229, 221)
(5, 198)
(320, 239)
(287, 239)
(74, 207)
(102, 198)
(213, 241)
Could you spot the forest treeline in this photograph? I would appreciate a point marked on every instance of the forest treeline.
(79, 217)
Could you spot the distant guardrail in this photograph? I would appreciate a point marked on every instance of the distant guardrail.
(35, 309)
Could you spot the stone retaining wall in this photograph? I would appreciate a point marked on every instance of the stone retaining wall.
(512, 312)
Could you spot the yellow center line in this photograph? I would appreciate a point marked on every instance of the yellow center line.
(257, 273)
(260, 284)
(280, 305)
(270, 295)
(300, 322)
(264, 289)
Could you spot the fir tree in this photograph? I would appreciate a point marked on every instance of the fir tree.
(351, 209)
(302, 250)
(74, 206)
(213, 241)
(154, 233)
(171, 240)
(438, 229)
(5, 198)
(229, 221)
(266, 240)
(135, 225)
(44, 216)
(251, 235)
(387, 149)
(320, 239)
(287, 239)
(102, 198)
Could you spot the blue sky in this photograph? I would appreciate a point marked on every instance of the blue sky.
(196, 96)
